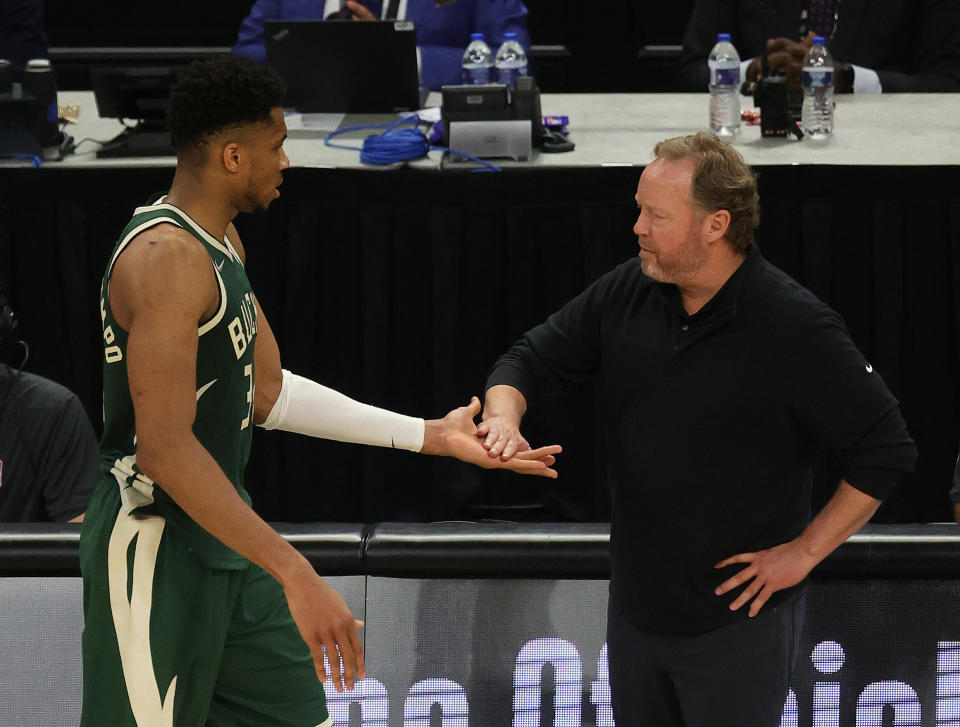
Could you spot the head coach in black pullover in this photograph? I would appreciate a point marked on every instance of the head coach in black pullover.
(719, 376)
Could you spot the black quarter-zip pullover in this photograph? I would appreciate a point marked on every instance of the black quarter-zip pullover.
(711, 422)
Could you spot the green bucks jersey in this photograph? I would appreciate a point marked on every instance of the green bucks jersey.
(224, 387)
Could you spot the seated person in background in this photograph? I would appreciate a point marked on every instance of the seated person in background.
(22, 36)
(443, 27)
(49, 461)
(879, 46)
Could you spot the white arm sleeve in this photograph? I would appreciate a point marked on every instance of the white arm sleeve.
(306, 407)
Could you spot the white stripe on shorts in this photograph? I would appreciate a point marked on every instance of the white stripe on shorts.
(131, 618)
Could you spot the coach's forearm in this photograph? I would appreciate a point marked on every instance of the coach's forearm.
(844, 514)
(504, 401)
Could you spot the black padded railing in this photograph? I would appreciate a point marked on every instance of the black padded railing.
(499, 550)
(51, 549)
(488, 550)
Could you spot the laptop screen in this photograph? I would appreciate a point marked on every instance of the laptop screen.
(345, 66)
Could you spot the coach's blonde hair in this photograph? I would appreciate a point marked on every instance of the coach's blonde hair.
(721, 181)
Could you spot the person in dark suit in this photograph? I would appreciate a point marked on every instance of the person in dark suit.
(443, 27)
(880, 46)
(22, 36)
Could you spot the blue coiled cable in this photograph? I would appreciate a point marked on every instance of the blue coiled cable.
(396, 145)
(35, 160)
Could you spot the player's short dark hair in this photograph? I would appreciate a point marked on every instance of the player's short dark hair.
(221, 93)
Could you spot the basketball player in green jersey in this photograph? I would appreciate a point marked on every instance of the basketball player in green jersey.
(196, 611)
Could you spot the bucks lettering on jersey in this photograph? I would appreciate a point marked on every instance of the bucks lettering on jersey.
(224, 386)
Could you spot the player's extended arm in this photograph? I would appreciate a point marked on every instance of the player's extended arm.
(292, 403)
(160, 292)
(786, 565)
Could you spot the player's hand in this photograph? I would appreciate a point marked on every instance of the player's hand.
(326, 624)
(358, 11)
(456, 436)
(784, 56)
(767, 571)
(501, 437)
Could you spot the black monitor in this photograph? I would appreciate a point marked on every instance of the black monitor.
(141, 95)
(343, 66)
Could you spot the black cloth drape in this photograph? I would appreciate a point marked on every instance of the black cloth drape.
(401, 287)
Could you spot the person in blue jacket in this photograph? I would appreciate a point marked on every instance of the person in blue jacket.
(443, 27)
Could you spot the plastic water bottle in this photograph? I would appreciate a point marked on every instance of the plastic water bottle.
(40, 82)
(477, 60)
(817, 111)
(724, 66)
(511, 60)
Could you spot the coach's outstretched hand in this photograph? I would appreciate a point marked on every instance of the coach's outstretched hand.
(456, 436)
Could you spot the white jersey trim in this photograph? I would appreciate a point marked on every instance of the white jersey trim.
(132, 234)
(228, 251)
(218, 316)
(161, 205)
(233, 251)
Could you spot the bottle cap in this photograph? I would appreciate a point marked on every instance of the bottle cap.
(818, 40)
(6, 79)
(510, 36)
(723, 37)
(38, 64)
(476, 36)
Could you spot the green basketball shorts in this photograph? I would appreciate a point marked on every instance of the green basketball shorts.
(168, 642)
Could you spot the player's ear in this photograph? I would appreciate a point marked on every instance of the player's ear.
(230, 156)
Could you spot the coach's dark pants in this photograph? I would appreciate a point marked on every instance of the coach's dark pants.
(735, 676)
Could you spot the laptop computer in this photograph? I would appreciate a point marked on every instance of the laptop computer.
(345, 66)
